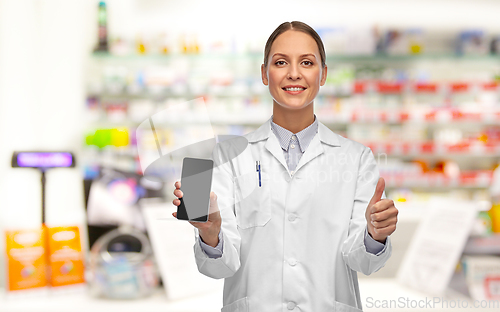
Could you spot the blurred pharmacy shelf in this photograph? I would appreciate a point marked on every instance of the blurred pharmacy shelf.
(332, 57)
(427, 117)
(466, 148)
(488, 245)
(423, 115)
(437, 114)
(468, 179)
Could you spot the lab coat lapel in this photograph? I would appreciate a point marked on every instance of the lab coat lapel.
(313, 150)
(273, 146)
(316, 148)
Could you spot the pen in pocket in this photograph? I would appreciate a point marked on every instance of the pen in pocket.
(257, 165)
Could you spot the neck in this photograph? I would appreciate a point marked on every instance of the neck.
(294, 120)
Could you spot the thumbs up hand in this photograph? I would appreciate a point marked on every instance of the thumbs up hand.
(381, 214)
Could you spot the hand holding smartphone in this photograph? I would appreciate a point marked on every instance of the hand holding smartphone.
(196, 184)
(208, 226)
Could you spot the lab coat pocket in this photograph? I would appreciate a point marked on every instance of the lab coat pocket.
(342, 307)
(240, 305)
(253, 204)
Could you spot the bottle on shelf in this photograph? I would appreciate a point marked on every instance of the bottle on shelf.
(184, 44)
(102, 45)
(140, 44)
(164, 45)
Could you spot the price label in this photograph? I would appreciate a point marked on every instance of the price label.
(492, 287)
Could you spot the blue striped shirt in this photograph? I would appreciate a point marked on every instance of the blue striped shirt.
(294, 145)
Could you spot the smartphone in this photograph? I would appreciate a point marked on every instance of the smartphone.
(196, 183)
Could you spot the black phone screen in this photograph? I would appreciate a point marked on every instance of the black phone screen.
(196, 183)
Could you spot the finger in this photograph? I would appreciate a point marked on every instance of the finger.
(384, 215)
(388, 230)
(379, 189)
(178, 193)
(214, 207)
(384, 223)
(176, 202)
(382, 205)
(177, 184)
(174, 214)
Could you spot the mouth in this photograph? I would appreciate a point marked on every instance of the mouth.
(294, 89)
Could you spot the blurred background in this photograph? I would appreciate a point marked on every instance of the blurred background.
(416, 81)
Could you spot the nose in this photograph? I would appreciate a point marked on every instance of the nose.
(294, 72)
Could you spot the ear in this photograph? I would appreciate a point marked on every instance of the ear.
(323, 76)
(263, 72)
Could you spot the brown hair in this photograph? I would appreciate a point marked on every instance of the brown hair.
(298, 26)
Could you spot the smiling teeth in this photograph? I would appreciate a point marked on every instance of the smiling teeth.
(294, 89)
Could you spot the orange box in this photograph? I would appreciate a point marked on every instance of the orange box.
(66, 257)
(26, 259)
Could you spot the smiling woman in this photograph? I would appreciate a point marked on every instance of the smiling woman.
(294, 69)
(295, 222)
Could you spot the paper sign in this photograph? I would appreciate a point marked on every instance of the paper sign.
(173, 242)
(437, 245)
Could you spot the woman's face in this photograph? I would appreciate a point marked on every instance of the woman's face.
(294, 72)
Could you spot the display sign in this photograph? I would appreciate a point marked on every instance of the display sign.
(43, 159)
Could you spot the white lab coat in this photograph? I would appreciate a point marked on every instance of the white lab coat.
(296, 242)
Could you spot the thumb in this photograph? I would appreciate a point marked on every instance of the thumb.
(214, 207)
(378, 192)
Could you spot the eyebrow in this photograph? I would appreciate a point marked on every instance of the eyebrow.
(303, 55)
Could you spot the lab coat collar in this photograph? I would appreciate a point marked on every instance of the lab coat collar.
(325, 135)
(314, 149)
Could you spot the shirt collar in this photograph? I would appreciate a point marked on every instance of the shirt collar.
(304, 137)
(326, 135)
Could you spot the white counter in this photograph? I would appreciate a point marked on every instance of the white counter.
(374, 294)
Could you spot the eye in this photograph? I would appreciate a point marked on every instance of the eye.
(307, 63)
(280, 63)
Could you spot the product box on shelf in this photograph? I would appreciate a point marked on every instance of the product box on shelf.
(482, 274)
(44, 256)
(26, 259)
(66, 257)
